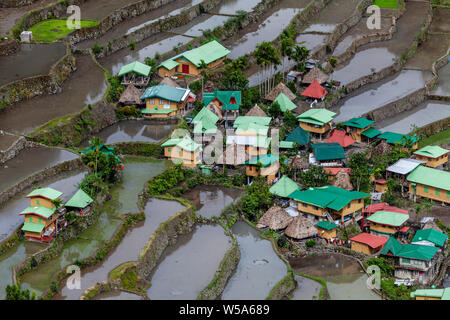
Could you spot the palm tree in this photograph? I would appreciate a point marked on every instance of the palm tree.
(266, 57)
(287, 45)
(300, 53)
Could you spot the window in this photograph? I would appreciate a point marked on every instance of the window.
(161, 101)
(152, 101)
(405, 260)
(169, 149)
(30, 219)
(37, 201)
(425, 189)
(438, 192)
(305, 205)
(40, 220)
(448, 194)
(359, 200)
(349, 205)
(316, 208)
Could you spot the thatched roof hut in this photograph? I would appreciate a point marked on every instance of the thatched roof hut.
(431, 225)
(317, 74)
(276, 218)
(131, 95)
(299, 163)
(301, 228)
(214, 109)
(343, 180)
(256, 111)
(281, 87)
(382, 148)
(168, 81)
(234, 155)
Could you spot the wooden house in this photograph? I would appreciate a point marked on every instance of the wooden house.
(356, 126)
(372, 208)
(367, 243)
(412, 262)
(212, 54)
(328, 154)
(266, 165)
(380, 185)
(431, 294)
(228, 102)
(41, 215)
(80, 202)
(184, 151)
(430, 237)
(330, 203)
(434, 156)
(326, 229)
(340, 137)
(386, 223)
(164, 101)
(317, 121)
(429, 183)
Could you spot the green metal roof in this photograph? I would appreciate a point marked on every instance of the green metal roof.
(317, 116)
(266, 160)
(300, 136)
(431, 151)
(39, 210)
(286, 145)
(392, 246)
(137, 67)
(205, 121)
(33, 227)
(328, 151)
(284, 187)
(393, 137)
(327, 225)
(160, 110)
(444, 294)
(431, 235)
(328, 197)
(245, 120)
(394, 219)
(418, 252)
(225, 97)
(79, 200)
(205, 113)
(48, 193)
(169, 64)
(185, 143)
(256, 128)
(360, 123)
(285, 103)
(430, 177)
(371, 133)
(165, 92)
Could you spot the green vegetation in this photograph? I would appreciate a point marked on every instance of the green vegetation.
(314, 177)
(165, 181)
(55, 29)
(442, 137)
(115, 89)
(16, 293)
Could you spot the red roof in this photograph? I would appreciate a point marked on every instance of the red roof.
(383, 207)
(335, 171)
(315, 90)
(340, 137)
(381, 181)
(404, 229)
(370, 239)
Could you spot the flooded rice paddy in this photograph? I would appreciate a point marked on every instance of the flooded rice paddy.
(117, 295)
(124, 200)
(306, 289)
(211, 200)
(23, 64)
(187, 267)
(156, 212)
(259, 268)
(428, 52)
(30, 161)
(85, 86)
(443, 86)
(344, 276)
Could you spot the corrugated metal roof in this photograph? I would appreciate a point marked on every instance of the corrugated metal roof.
(327, 225)
(393, 137)
(48, 193)
(265, 159)
(79, 200)
(432, 151)
(430, 177)
(225, 97)
(394, 219)
(371, 133)
(166, 92)
(317, 116)
(245, 120)
(300, 136)
(137, 67)
(360, 123)
(285, 103)
(404, 166)
(431, 235)
(371, 240)
(284, 187)
(33, 227)
(328, 151)
(38, 210)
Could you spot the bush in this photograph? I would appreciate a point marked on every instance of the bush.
(115, 89)
(128, 111)
(166, 180)
(96, 49)
(310, 243)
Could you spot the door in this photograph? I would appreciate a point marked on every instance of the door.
(186, 68)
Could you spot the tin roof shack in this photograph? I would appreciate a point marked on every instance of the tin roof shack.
(135, 73)
(184, 151)
(367, 243)
(266, 165)
(228, 102)
(80, 202)
(430, 237)
(431, 294)
(212, 54)
(434, 156)
(316, 121)
(405, 140)
(387, 223)
(429, 183)
(330, 203)
(329, 154)
(356, 126)
(413, 262)
(402, 168)
(164, 101)
(326, 229)
(41, 215)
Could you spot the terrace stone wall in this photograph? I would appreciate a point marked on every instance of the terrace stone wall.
(8, 47)
(50, 83)
(13, 150)
(15, 3)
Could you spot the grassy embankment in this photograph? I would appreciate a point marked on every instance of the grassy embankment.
(55, 29)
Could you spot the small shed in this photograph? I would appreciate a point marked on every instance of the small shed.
(276, 218)
(367, 243)
(326, 229)
(131, 96)
(380, 185)
(80, 201)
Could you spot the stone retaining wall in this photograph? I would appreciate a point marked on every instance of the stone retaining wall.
(15, 3)
(166, 234)
(13, 150)
(282, 289)
(8, 47)
(435, 127)
(50, 83)
(39, 176)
